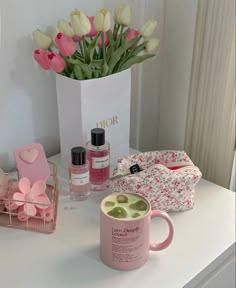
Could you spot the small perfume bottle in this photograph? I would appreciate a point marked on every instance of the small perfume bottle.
(79, 175)
(98, 154)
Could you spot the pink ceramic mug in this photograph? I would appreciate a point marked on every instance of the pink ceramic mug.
(125, 242)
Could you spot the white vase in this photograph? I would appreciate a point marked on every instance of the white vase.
(87, 104)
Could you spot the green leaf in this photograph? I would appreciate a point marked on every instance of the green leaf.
(115, 57)
(135, 60)
(96, 74)
(84, 67)
(104, 69)
(97, 64)
(92, 46)
(78, 72)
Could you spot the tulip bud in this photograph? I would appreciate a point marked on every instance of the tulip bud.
(65, 44)
(122, 15)
(152, 45)
(106, 40)
(41, 56)
(56, 62)
(41, 39)
(102, 20)
(93, 31)
(80, 23)
(65, 28)
(148, 28)
(55, 31)
(131, 35)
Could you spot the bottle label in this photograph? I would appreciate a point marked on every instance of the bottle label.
(100, 162)
(80, 179)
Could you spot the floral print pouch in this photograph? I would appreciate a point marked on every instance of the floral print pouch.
(167, 178)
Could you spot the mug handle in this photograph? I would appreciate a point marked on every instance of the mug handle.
(160, 246)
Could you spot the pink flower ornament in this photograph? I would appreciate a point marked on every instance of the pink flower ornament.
(31, 197)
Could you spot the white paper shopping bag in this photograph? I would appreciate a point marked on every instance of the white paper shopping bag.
(87, 104)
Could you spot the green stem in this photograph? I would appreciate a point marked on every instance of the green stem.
(103, 48)
(81, 48)
(120, 36)
(85, 48)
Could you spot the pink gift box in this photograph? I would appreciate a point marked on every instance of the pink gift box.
(167, 179)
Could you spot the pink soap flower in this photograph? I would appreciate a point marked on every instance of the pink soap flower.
(93, 31)
(106, 40)
(65, 44)
(56, 62)
(31, 197)
(131, 34)
(41, 56)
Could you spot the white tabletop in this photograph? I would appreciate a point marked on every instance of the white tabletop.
(70, 258)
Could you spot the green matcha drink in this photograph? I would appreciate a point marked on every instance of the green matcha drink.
(125, 206)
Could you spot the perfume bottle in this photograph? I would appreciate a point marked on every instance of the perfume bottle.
(79, 175)
(98, 154)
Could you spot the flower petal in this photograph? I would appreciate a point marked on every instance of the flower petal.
(30, 209)
(43, 202)
(38, 188)
(24, 185)
(20, 197)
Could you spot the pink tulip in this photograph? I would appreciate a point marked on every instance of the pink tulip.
(131, 34)
(77, 38)
(65, 44)
(56, 62)
(106, 40)
(41, 56)
(93, 31)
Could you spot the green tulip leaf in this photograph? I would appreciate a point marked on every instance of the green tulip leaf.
(78, 72)
(135, 60)
(92, 47)
(84, 67)
(115, 57)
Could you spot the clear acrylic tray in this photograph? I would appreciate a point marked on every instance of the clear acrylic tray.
(38, 223)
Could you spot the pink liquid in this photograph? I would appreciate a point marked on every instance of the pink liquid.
(98, 157)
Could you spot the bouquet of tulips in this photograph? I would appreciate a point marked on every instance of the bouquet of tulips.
(88, 47)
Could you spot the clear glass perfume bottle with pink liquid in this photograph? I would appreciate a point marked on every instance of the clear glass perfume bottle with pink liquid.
(79, 175)
(98, 154)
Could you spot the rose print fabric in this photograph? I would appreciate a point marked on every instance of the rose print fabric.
(167, 179)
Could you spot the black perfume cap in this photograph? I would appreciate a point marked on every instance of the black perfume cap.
(98, 136)
(78, 156)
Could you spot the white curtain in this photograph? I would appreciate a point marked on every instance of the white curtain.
(210, 130)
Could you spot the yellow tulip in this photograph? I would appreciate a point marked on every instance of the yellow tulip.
(122, 15)
(148, 28)
(42, 40)
(55, 31)
(65, 28)
(80, 22)
(152, 45)
(102, 20)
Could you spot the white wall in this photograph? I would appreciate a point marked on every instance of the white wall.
(28, 107)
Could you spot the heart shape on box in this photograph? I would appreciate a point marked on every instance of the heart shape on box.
(167, 189)
(29, 156)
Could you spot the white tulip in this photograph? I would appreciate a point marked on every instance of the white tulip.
(54, 33)
(122, 15)
(152, 45)
(148, 28)
(65, 28)
(42, 40)
(102, 20)
(80, 23)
